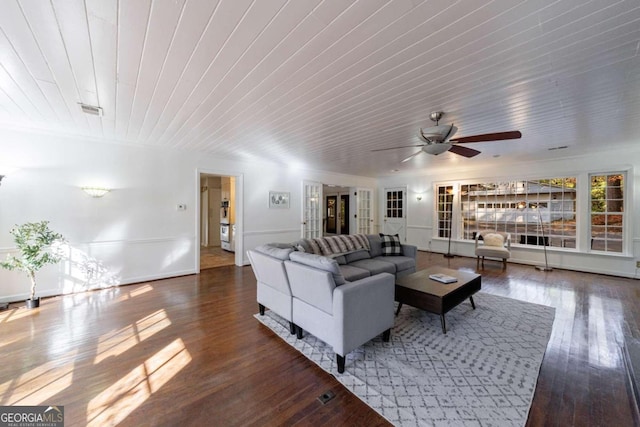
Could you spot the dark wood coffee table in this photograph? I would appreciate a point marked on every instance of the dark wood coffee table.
(418, 290)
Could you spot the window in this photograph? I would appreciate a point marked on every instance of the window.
(445, 210)
(607, 212)
(535, 212)
(394, 204)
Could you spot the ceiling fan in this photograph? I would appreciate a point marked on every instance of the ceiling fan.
(438, 139)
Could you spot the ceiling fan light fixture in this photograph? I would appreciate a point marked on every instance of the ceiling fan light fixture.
(439, 133)
(440, 138)
(436, 149)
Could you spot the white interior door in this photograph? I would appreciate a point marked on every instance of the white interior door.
(311, 209)
(364, 211)
(214, 216)
(204, 217)
(395, 221)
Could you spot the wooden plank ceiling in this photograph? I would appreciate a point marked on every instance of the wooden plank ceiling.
(320, 84)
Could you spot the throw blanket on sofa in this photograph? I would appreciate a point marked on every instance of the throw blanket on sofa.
(338, 245)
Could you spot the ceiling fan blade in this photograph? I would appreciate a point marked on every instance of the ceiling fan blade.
(497, 136)
(411, 156)
(464, 151)
(395, 148)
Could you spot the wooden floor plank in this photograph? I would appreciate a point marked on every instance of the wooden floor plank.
(187, 351)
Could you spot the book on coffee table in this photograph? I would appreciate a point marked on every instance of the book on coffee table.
(443, 278)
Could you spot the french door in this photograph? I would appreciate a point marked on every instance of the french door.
(364, 207)
(332, 215)
(311, 209)
(344, 214)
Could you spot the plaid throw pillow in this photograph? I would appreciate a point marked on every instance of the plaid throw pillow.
(391, 244)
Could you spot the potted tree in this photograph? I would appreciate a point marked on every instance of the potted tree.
(33, 240)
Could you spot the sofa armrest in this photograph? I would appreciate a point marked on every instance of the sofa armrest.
(409, 250)
(362, 310)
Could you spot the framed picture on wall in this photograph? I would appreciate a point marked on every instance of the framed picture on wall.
(278, 200)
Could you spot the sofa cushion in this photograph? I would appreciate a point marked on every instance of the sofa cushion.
(351, 273)
(337, 245)
(391, 244)
(340, 259)
(493, 239)
(302, 245)
(375, 266)
(320, 262)
(401, 262)
(375, 245)
(357, 256)
(277, 250)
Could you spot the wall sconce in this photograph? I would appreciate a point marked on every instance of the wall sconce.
(1, 176)
(419, 197)
(95, 191)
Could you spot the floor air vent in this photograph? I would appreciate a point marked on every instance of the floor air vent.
(326, 397)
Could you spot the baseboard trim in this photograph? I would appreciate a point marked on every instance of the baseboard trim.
(130, 281)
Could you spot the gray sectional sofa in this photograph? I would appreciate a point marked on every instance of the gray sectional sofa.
(344, 299)
(364, 263)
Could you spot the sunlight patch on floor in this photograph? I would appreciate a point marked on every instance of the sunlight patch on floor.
(115, 403)
(601, 324)
(117, 342)
(17, 313)
(39, 384)
(134, 293)
(8, 342)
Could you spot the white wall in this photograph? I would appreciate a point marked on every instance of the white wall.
(263, 225)
(420, 214)
(134, 233)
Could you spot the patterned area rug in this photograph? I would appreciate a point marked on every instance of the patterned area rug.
(482, 372)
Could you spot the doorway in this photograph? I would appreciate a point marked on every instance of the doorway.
(217, 220)
(332, 215)
(336, 210)
(353, 213)
(344, 214)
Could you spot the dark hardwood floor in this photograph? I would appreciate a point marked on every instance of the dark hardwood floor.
(187, 351)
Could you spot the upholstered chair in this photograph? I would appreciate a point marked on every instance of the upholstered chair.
(495, 244)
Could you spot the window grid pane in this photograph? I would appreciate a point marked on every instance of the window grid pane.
(394, 204)
(526, 209)
(607, 212)
(445, 210)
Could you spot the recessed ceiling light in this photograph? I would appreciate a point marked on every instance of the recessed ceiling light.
(395, 170)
